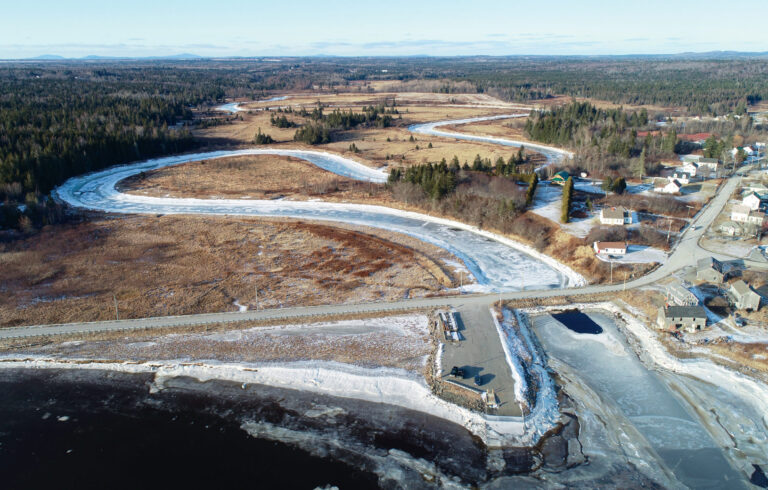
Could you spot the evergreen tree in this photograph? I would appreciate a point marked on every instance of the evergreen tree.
(567, 200)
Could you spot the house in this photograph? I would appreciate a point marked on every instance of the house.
(742, 214)
(561, 177)
(615, 216)
(692, 158)
(671, 187)
(611, 248)
(690, 168)
(731, 228)
(680, 296)
(686, 318)
(752, 201)
(682, 177)
(710, 269)
(712, 163)
(743, 297)
(758, 187)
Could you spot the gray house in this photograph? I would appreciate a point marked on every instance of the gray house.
(678, 295)
(743, 297)
(711, 270)
(686, 318)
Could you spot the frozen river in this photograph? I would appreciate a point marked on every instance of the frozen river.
(498, 264)
(642, 400)
(552, 154)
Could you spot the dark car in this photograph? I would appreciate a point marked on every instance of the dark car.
(457, 372)
(478, 380)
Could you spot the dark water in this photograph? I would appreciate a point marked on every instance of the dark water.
(112, 439)
(578, 322)
(118, 435)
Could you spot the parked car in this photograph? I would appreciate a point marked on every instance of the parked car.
(478, 380)
(457, 372)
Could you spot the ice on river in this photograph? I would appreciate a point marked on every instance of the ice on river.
(641, 397)
(497, 263)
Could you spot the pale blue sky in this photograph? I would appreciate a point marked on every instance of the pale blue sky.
(392, 27)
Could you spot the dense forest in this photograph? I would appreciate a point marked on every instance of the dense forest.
(605, 141)
(56, 123)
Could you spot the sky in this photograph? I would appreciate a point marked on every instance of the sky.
(76, 28)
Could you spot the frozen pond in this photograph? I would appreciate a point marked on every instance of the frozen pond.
(498, 264)
(607, 364)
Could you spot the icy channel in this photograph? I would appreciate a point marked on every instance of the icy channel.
(609, 366)
(498, 264)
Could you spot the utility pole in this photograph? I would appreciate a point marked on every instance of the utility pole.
(669, 230)
(117, 313)
(611, 262)
(256, 289)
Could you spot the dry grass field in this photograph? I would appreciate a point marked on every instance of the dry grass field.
(182, 265)
(378, 147)
(255, 177)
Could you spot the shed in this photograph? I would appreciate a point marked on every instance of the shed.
(743, 297)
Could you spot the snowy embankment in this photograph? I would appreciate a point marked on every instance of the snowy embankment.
(526, 363)
(553, 155)
(494, 260)
(379, 385)
(747, 389)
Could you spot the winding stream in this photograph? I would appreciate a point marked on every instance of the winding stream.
(497, 263)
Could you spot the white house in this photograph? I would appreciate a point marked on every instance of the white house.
(671, 187)
(742, 214)
(690, 168)
(712, 163)
(611, 248)
(615, 216)
(752, 201)
(682, 177)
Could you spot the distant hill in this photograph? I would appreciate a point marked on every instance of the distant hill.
(96, 57)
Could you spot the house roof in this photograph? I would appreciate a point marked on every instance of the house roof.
(731, 224)
(561, 174)
(614, 213)
(710, 263)
(740, 209)
(601, 245)
(676, 183)
(741, 288)
(685, 312)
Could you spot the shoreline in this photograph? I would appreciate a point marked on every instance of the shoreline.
(379, 385)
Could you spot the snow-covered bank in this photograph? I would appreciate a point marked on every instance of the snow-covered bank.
(379, 385)
(553, 155)
(496, 262)
(526, 363)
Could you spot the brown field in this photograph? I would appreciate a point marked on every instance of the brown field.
(266, 177)
(374, 148)
(256, 177)
(182, 265)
